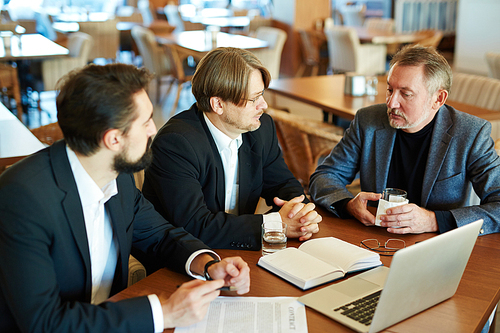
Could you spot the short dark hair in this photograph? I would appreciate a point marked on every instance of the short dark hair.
(437, 71)
(225, 72)
(95, 99)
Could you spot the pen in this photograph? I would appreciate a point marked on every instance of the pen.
(225, 288)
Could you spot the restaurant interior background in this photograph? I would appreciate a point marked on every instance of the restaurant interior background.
(469, 28)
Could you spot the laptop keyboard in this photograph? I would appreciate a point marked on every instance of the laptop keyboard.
(361, 310)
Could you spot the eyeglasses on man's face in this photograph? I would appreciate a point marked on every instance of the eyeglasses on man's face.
(388, 249)
(254, 100)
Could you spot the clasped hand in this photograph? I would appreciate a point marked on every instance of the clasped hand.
(404, 219)
(301, 218)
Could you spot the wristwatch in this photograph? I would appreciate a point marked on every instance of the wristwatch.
(205, 271)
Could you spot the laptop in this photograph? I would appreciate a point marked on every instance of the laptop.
(420, 276)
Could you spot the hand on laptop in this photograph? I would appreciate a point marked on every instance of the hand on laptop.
(358, 207)
(409, 218)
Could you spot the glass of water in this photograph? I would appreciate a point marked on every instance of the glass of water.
(273, 237)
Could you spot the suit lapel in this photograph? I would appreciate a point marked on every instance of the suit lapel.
(384, 145)
(439, 145)
(71, 203)
(248, 161)
(219, 169)
(116, 215)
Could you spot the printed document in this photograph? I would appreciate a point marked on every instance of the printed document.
(252, 314)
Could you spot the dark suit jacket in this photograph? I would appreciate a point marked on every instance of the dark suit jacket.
(185, 183)
(45, 277)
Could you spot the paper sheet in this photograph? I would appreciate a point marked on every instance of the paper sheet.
(252, 314)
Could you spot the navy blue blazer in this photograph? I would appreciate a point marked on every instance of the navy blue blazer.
(462, 156)
(45, 277)
(186, 185)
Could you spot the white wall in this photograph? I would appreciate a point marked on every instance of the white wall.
(478, 31)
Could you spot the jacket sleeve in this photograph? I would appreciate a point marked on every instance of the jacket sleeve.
(483, 171)
(328, 183)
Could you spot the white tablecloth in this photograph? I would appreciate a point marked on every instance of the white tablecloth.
(15, 138)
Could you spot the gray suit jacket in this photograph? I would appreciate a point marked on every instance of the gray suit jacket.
(461, 156)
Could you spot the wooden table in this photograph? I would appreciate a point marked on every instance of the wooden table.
(376, 36)
(327, 93)
(199, 42)
(31, 47)
(467, 311)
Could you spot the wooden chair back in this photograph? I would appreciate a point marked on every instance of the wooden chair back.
(48, 134)
(304, 142)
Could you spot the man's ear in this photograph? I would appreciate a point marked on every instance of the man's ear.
(441, 97)
(217, 105)
(113, 140)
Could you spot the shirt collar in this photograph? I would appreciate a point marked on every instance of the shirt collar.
(89, 191)
(222, 141)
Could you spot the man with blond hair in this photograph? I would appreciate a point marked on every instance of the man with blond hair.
(214, 161)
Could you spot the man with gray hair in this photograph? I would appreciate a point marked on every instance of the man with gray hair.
(416, 143)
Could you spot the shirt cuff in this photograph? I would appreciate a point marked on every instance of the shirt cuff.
(157, 313)
(194, 255)
(272, 217)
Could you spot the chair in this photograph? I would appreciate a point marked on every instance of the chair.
(476, 90)
(79, 45)
(303, 142)
(174, 17)
(348, 55)
(479, 91)
(106, 38)
(153, 56)
(271, 57)
(9, 85)
(353, 15)
(150, 19)
(48, 134)
(431, 38)
(180, 73)
(309, 45)
(493, 61)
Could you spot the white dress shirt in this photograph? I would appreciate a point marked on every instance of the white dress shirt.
(228, 151)
(103, 247)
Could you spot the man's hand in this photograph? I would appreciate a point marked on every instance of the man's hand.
(189, 304)
(302, 219)
(358, 207)
(409, 218)
(234, 271)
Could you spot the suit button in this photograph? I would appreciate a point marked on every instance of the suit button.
(233, 244)
(481, 231)
(249, 246)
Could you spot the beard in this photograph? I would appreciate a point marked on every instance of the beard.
(237, 123)
(406, 123)
(122, 164)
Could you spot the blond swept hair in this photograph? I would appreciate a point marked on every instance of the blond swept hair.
(225, 73)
